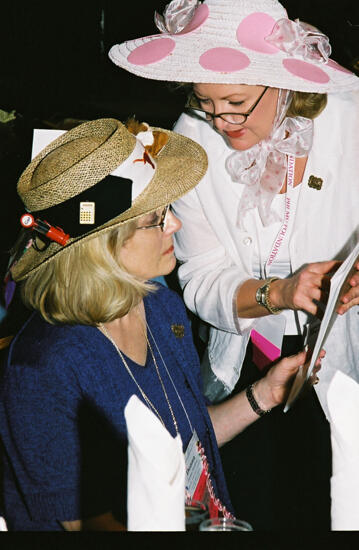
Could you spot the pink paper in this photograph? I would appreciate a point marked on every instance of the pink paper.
(264, 351)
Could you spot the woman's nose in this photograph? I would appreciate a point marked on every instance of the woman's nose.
(219, 123)
(173, 224)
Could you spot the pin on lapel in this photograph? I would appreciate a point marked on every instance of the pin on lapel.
(178, 330)
(315, 183)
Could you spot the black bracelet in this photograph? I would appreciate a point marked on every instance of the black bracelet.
(253, 403)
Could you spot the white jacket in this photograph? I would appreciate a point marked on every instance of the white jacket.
(217, 255)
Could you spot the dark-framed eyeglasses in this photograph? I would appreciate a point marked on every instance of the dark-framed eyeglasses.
(161, 223)
(193, 105)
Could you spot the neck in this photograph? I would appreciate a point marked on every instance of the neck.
(129, 333)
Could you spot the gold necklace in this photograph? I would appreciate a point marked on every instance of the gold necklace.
(145, 397)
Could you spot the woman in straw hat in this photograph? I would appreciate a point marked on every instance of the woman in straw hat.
(97, 227)
(266, 226)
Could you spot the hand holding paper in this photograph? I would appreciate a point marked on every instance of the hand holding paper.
(339, 285)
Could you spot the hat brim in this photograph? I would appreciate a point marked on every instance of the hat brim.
(214, 53)
(181, 164)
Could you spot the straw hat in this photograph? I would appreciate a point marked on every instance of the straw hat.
(235, 42)
(95, 177)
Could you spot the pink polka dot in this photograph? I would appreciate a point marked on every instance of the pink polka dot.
(152, 51)
(252, 31)
(224, 60)
(335, 65)
(305, 70)
(200, 16)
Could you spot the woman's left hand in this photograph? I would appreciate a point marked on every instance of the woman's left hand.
(273, 389)
(350, 297)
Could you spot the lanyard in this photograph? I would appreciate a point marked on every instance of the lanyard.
(287, 216)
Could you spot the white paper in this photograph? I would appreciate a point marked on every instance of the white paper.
(343, 406)
(156, 473)
(337, 285)
(42, 138)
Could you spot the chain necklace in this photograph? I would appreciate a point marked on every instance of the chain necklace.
(168, 373)
(145, 397)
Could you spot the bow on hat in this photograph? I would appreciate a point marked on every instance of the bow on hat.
(176, 16)
(300, 39)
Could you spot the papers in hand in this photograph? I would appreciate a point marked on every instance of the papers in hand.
(339, 285)
(156, 472)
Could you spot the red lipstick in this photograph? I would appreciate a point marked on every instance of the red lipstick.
(170, 250)
(235, 133)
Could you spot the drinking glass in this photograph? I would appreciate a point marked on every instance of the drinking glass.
(195, 513)
(224, 524)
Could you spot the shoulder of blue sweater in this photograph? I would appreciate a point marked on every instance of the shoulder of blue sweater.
(165, 295)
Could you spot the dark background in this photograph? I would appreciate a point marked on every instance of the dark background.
(54, 68)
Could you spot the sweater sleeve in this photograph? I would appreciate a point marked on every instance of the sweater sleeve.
(50, 436)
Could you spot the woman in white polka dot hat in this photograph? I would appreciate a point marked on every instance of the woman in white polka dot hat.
(266, 227)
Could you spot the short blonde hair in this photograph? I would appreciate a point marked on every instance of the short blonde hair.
(305, 104)
(87, 284)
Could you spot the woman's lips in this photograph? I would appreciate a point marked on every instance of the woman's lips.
(235, 133)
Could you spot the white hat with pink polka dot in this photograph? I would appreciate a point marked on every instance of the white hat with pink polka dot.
(235, 42)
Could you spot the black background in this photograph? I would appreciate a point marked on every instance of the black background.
(55, 68)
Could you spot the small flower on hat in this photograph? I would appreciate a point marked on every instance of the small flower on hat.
(300, 39)
(145, 135)
(176, 16)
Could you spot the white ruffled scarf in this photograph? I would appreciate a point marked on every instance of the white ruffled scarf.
(262, 168)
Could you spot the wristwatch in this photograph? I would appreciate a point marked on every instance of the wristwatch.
(262, 297)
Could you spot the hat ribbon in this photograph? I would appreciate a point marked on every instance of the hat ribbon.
(262, 168)
(300, 40)
(176, 16)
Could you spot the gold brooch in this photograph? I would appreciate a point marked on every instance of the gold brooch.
(178, 330)
(315, 183)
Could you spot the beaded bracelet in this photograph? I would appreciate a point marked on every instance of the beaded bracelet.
(253, 403)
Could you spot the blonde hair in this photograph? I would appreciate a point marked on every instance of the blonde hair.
(305, 104)
(86, 284)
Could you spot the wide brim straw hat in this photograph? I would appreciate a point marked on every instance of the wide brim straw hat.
(100, 163)
(235, 42)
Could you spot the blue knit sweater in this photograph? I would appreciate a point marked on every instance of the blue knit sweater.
(62, 416)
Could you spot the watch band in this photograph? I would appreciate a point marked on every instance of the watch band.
(253, 403)
(262, 296)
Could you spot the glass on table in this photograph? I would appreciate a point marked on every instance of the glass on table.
(225, 524)
(195, 513)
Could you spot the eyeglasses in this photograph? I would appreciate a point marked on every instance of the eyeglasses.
(162, 222)
(194, 104)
